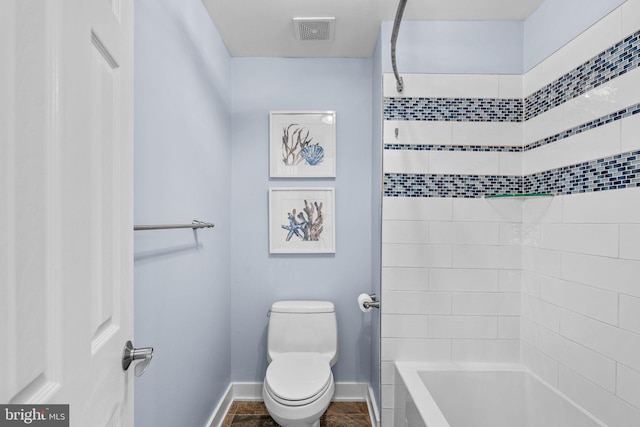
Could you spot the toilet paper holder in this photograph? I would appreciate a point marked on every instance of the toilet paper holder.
(374, 303)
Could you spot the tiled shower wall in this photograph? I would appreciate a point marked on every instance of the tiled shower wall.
(553, 282)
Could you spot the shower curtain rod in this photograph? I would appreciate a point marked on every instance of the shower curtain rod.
(394, 39)
(195, 224)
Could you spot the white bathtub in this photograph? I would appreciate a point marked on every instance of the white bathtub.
(486, 395)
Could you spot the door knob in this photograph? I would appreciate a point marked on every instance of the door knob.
(130, 354)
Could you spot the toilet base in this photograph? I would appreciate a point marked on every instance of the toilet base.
(300, 416)
(314, 424)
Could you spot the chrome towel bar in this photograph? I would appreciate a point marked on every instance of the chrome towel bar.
(195, 224)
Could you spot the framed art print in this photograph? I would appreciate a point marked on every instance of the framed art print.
(302, 144)
(302, 220)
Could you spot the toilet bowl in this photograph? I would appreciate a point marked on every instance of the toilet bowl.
(298, 388)
(302, 348)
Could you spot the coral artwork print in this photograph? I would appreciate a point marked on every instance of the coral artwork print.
(306, 225)
(297, 147)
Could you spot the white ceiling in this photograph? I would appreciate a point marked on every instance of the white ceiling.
(264, 28)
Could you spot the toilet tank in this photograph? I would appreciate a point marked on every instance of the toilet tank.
(303, 326)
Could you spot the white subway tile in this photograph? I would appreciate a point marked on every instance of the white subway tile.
(532, 235)
(412, 349)
(630, 133)
(404, 326)
(492, 210)
(629, 385)
(405, 232)
(478, 303)
(599, 142)
(511, 86)
(540, 364)
(542, 210)
(630, 17)
(604, 405)
(630, 313)
(395, 302)
(532, 80)
(464, 233)
(411, 255)
(418, 132)
(595, 367)
(509, 327)
(502, 257)
(532, 283)
(510, 281)
(511, 164)
(470, 280)
(464, 162)
(542, 261)
(612, 274)
(387, 395)
(510, 233)
(415, 85)
(541, 312)
(607, 340)
(464, 86)
(529, 331)
(598, 102)
(387, 372)
(463, 327)
(546, 124)
(624, 90)
(387, 415)
(487, 133)
(630, 241)
(477, 350)
(590, 239)
(406, 161)
(605, 207)
(593, 302)
(405, 279)
(417, 208)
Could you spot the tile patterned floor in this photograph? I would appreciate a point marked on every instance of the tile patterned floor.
(339, 414)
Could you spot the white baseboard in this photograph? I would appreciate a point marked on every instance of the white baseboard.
(354, 392)
(372, 405)
(217, 417)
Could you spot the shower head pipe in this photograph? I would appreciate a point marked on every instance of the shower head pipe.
(394, 39)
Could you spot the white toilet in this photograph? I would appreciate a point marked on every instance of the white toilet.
(302, 346)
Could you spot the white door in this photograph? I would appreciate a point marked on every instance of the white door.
(66, 107)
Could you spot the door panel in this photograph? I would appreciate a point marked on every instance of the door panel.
(66, 105)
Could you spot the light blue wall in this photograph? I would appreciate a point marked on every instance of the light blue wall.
(182, 156)
(557, 22)
(258, 279)
(481, 47)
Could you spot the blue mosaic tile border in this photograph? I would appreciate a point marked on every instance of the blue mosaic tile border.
(619, 59)
(609, 173)
(442, 147)
(615, 61)
(455, 186)
(601, 121)
(454, 109)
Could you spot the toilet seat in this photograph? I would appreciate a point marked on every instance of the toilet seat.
(297, 379)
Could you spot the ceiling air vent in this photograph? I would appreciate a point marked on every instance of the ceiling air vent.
(314, 29)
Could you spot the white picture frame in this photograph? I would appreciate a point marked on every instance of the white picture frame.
(302, 220)
(302, 144)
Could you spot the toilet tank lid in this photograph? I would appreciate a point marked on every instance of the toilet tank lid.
(302, 307)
